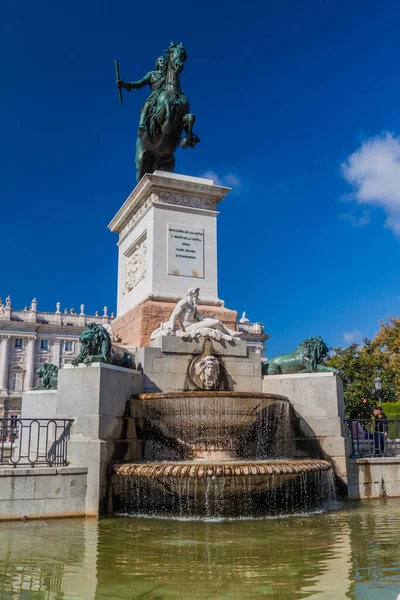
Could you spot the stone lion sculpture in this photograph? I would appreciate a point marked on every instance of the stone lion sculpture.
(306, 358)
(208, 372)
(96, 346)
(48, 373)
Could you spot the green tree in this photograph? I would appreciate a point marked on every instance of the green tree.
(360, 365)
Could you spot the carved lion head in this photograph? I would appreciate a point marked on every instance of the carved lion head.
(316, 350)
(96, 340)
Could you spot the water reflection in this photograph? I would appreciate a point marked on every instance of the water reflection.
(351, 553)
(48, 559)
(375, 543)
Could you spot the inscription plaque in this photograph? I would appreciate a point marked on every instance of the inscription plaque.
(185, 251)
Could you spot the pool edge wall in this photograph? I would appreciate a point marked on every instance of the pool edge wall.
(371, 478)
(42, 492)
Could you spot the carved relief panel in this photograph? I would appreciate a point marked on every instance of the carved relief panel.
(135, 264)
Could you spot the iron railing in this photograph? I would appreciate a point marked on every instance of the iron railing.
(371, 438)
(34, 442)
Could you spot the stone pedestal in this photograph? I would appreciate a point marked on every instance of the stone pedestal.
(166, 365)
(317, 399)
(39, 404)
(135, 327)
(167, 240)
(96, 398)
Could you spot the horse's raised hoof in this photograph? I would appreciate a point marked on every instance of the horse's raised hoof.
(195, 140)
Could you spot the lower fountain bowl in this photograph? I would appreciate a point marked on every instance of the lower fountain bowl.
(224, 489)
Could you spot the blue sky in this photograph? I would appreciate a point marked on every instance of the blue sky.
(297, 105)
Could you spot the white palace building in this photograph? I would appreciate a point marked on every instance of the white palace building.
(28, 339)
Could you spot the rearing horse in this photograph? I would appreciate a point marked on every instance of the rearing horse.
(167, 115)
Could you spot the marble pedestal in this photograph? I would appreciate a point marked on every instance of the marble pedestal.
(167, 240)
(39, 404)
(317, 399)
(166, 365)
(96, 397)
(135, 327)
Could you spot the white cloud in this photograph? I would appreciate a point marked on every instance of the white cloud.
(353, 337)
(232, 180)
(228, 180)
(374, 172)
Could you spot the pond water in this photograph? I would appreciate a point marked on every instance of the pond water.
(352, 552)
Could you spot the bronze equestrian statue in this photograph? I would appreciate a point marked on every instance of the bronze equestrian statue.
(164, 116)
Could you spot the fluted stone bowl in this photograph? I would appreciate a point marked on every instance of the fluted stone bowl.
(215, 424)
(225, 488)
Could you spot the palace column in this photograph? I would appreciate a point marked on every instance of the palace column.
(56, 352)
(30, 363)
(4, 352)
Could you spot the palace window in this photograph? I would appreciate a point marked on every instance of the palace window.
(68, 346)
(18, 343)
(44, 344)
(17, 378)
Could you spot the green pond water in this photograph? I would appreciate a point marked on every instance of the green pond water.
(352, 552)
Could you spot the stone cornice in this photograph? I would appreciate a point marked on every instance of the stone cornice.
(62, 331)
(158, 184)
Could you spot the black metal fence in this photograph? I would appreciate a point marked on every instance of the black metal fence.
(34, 442)
(371, 438)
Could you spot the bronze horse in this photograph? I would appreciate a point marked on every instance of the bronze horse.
(167, 115)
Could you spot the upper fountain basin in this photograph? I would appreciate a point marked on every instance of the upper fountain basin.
(217, 420)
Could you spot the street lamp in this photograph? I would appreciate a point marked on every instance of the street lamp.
(378, 389)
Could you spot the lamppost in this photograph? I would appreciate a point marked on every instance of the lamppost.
(378, 389)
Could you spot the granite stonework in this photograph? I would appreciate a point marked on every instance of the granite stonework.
(168, 371)
(176, 345)
(42, 492)
(135, 327)
(97, 398)
(163, 210)
(373, 478)
(318, 404)
(39, 404)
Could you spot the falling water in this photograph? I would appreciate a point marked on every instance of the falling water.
(309, 493)
(219, 455)
(241, 425)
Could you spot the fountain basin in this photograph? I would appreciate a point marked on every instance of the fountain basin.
(208, 423)
(224, 489)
